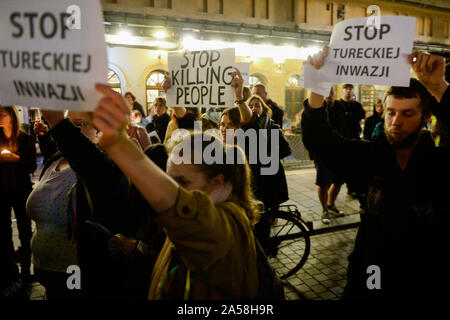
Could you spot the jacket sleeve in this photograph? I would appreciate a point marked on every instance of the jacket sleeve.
(27, 153)
(47, 146)
(210, 239)
(344, 156)
(442, 109)
(84, 157)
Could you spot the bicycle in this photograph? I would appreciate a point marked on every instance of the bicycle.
(288, 245)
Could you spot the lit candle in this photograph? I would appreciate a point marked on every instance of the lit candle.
(5, 151)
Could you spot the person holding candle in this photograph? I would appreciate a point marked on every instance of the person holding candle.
(17, 162)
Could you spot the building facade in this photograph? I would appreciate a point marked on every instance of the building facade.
(274, 36)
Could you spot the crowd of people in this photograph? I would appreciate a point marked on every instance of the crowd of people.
(114, 199)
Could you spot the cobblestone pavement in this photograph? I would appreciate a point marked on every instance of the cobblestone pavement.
(323, 277)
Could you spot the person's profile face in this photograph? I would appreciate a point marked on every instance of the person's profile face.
(5, 118)
(189, 177)
(129, 99)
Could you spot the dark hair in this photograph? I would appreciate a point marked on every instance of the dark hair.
(261, 85)
(375, 108)
(13, 142)
(415, 90)
(137, 113)
(348, 85)
(160, 99)
(234, 115)
(266, 109)
(246, 93)
(128, 93)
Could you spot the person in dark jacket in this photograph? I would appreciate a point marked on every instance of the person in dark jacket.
(256, 115)
(277, 113)
(17, 162)
(131, 98)
(92, 191)
(160, 119)
(372, 121)
(399, 247)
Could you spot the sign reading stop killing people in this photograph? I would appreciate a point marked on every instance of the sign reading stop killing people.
(51, 53)
(361, 53)
(201, 78)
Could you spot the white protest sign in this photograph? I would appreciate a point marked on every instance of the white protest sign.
(361, 53)
(51, 53)
(244, 68)
(201, 78)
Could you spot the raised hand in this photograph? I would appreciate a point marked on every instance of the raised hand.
(40, 128)
(430, 70)
(238, 84)
(111, 116)
(166, 82)
(318, 60)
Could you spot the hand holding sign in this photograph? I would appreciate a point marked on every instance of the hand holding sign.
(317, 61)
(430, 70)
(238, 84)
(111, 116)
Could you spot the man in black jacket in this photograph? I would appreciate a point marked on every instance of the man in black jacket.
(277, 113)
(401, 241)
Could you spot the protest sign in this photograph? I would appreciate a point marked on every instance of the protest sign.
(201, 78)
(51, 53)
(244, 68)
(361, 53)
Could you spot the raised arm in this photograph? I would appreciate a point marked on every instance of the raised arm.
(84, 156)
(316, 100)
(167, 83)
(430, 70)
(238, 84)
(111, 117)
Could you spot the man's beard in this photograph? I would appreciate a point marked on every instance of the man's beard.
(407, 142)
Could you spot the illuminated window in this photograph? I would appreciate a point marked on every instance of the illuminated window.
(114, 81)
(154, 87)
(294, 96)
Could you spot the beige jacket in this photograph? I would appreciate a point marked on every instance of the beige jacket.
(215, 242)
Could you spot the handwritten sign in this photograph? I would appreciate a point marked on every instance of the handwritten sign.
(201, 78)
(361, 53)
(51, 53)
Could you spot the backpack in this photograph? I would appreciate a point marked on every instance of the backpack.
(269, 284)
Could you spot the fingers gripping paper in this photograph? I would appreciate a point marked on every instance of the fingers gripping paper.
(52, 53)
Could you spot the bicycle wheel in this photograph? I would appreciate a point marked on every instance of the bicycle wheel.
(289, 240)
